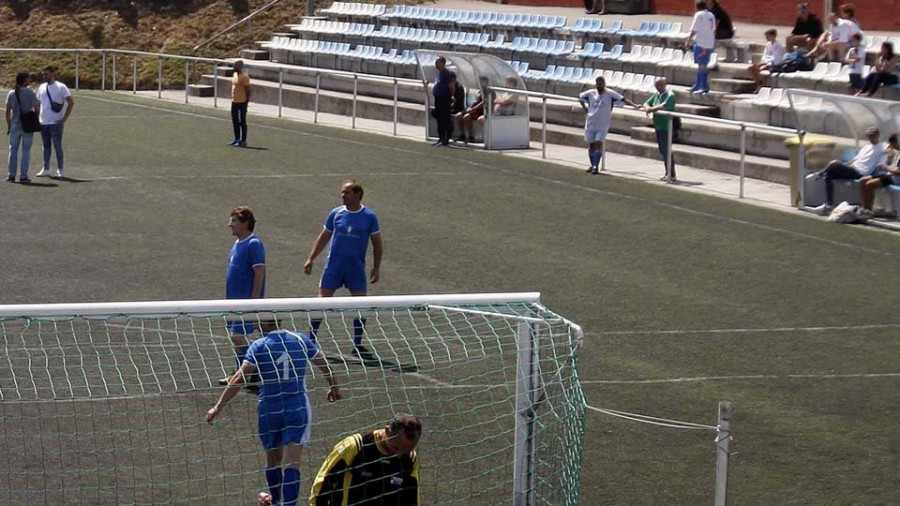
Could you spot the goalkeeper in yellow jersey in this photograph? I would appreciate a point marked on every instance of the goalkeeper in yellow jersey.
(376, 468)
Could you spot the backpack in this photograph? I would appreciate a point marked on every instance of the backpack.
(796, 61)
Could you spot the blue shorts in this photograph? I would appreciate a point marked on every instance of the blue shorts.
(352, 278)
(702, 55)
(241, 327)
(279, 427)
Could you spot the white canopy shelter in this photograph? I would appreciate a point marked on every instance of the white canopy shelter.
(505, 124)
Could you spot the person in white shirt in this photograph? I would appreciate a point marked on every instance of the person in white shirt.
(703, 38)
(598, 105)
(863, 164)
(885, 174)
(56, 106)
(772, 55)
(856, 59)
(833, 43)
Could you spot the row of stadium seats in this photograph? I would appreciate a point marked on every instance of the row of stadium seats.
(481, 19)
(595, 51)
(562, 80)
(321, 26)
(547, 47)
(354, 9)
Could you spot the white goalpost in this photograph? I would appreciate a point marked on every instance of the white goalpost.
(103, 403)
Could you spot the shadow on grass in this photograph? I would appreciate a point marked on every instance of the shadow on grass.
(38, 184)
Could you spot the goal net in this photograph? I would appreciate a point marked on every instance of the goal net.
(105, 403)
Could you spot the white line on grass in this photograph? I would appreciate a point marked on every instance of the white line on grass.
(277, 176)
(457, 160)
(747, 330)
(696, 379)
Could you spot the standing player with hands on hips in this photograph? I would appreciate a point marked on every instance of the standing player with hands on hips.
(349, 228)
(280, 359)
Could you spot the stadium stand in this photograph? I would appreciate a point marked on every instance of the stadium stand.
(555, 58)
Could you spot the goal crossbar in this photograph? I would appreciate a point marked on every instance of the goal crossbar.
(198, 307)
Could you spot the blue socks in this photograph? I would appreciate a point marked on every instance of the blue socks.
(359, 325)
(287, 482)
(273, 478)
(291, 486)
(314, 328)
(702, 80)
(595, 157)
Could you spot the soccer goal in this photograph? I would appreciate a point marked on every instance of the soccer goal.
(105, 403)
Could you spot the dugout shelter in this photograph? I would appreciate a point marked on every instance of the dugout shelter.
(506, 115)
(843, 120)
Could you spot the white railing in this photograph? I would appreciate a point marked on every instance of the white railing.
(743, 125)
(114, 54)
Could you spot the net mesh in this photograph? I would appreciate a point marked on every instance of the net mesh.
(110, 409)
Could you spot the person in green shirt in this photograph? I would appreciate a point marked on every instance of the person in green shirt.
(663, 99)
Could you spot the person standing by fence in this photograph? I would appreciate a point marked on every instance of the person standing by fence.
(663, 99)
(240, 98)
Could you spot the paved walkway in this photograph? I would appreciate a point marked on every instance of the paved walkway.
(760, 193)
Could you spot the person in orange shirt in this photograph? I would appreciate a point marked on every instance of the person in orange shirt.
(240, 97)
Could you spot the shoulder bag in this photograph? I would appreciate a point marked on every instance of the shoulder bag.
(30, 121)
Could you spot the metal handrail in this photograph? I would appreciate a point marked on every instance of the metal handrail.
(396, 81)
(743, 125)
(246, 18)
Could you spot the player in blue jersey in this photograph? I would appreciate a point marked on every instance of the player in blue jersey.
(245, 277)
(280, 359)
(349, 228)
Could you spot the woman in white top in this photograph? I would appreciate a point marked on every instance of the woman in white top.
(772, 55)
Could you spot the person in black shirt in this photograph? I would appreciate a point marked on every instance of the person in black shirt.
(724, 27)
(807, 30)
(443, 91)
(376, 468)
(457, 104)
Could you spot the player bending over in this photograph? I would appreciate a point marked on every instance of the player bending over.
(280, 357)
(377, 468)
(349, 227)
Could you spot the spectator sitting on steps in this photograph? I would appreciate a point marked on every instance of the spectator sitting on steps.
(807, 30)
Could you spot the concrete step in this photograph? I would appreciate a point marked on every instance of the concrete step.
(335, 102)
(732, 86)
(755, 167)
(225, 71)
(558, 112)
(201, 90)
(698, 109)
(254, 54)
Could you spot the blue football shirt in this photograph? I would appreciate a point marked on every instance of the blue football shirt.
(281, 358)
(245, 255)
(350, 231)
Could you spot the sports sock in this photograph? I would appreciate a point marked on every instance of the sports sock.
(291, 487)
(703, 79)
(595, 159)
(314, 328)
(591, 156)
(359, 325)
(274, 478)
